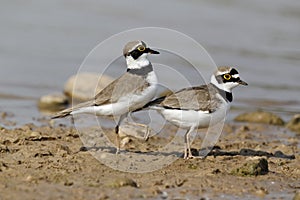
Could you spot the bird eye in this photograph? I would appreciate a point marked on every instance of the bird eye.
(141, 48)
(227, 76)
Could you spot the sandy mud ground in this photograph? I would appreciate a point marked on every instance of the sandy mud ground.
(249, 161)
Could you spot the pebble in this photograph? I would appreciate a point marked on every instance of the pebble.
(84, 86)
(121, 182)
(35, 134)
(68, 183)
(294, 123)
(261, 192)
(29, 178)
(260, 117)
(3, 166)
(43, 153)
(65, 148)
(4, 115)
(164, 195)
(53, 102)
(253, 167)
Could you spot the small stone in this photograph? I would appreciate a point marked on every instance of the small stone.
(43, 153)
(260, 117)
(27, 127)
(5, 115)
(84, 86)
(6, 142)
(123, 182)
(65, 148)
(83, 148)
(103, 197)
(164, 195)
(244, 128)
(35, 134)
(29, 178)
(68, 183)
(294, 123)
(179, 182)
(53, 102)
(261, 192)
(252, 168)
(3, 149)
(3, 166)
(216, 171)
(192, 166)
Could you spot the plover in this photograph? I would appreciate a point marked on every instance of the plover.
(194, 107)
(131, 91)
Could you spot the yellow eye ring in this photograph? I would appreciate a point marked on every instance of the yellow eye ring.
(227, 76)
(141, 48)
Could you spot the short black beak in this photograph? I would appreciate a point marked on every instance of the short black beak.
(151, 51)
(242, 82)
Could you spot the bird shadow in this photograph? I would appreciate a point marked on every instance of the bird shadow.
(112, 150)
(202, 153)
(217, 151)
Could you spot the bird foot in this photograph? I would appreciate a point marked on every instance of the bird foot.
(118, 151)
(189, 157)
(146, 136)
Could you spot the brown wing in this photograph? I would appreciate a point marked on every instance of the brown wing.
(194, 98)
(127, 84)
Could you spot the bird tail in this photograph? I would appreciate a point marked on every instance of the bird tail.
(63, 113)
(68, 111)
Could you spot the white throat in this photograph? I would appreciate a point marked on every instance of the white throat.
(142, 61)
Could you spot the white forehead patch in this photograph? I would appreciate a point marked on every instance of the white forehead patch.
(235, 75)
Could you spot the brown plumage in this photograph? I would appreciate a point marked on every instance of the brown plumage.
(127, 84)
(192, 98)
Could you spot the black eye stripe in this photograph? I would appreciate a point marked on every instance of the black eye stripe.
(221, 79)
(136, 53)
(232, 80)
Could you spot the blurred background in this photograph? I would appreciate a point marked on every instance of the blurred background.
(43, 43)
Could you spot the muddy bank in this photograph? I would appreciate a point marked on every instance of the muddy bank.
(53, 163)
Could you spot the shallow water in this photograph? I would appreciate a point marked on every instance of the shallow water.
(44, 42)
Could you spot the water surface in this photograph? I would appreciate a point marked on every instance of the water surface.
(42, 43)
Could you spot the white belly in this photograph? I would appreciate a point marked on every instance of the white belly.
(191, 118)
